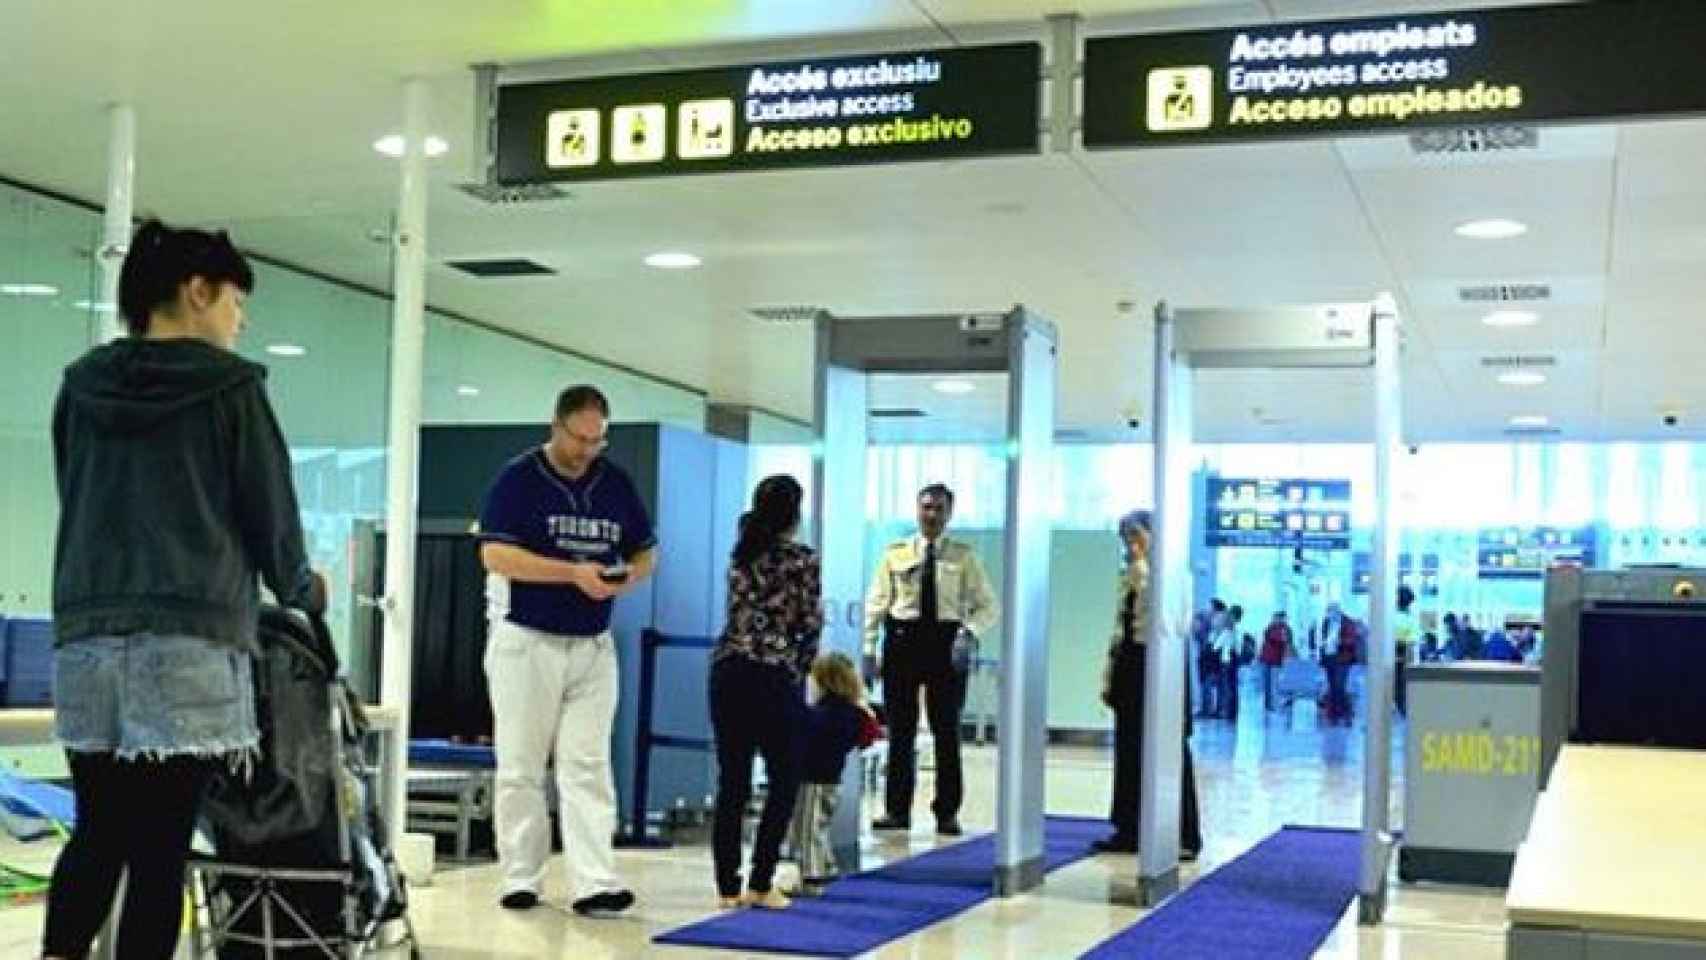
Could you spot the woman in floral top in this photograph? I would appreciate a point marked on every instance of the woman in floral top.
(758, 668)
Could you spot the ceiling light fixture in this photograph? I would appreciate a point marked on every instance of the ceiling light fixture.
(1511, 318)
(1530, 422)
(1522, 378)
(953, 388)
(1495, 228)
(467, 391)
(286, 350)
(29, 290)
(392, 145)
(98, 306)
(673, 260)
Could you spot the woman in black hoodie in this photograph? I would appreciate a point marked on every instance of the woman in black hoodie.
(175, 494)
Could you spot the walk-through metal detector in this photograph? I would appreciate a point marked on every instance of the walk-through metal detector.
(1319, 336)
(1022, 345)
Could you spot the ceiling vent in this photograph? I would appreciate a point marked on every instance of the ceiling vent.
(1518, 361)
(1474, 141)
(897, 413)
(1485, 293)
(1532, 432)
(501, 195)
(499, 268)
(788, 313)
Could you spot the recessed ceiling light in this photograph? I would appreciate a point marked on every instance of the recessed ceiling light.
(100, 306)
(1495, 228)
(392, 145)
(29, 290)
(1522, 378)
(1530, 421)
(953, 387)
(467, 391)
(673, 260)
(286, 350)
(1511, 318)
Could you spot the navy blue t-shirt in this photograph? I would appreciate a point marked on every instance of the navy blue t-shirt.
(598, 518)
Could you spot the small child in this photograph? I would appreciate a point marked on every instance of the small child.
(837, 720)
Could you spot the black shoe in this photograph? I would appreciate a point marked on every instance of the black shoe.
(891, 823)
(1117, 843)
(948, 828)
(610, 901)
(1189, 856)
(519, 900)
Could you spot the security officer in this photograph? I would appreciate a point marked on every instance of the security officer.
(931, 598)
(1122, 692)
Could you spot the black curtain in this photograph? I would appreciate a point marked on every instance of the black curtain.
(449, 697)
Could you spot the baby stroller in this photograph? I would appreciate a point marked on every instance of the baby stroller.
(300, 867)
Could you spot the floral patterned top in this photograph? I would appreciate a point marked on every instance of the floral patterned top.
(775, 611)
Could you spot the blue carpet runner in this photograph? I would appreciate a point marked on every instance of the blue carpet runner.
(866, 910)
(1278, 901)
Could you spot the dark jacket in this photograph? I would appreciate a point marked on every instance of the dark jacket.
(174, 491)
(833, 728)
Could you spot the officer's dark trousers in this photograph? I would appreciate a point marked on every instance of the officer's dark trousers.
(921, 656)
(1127, 688)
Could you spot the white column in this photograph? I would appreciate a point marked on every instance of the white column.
(1161, 783)
(408, 333)
(115, 237)
(1382, 601)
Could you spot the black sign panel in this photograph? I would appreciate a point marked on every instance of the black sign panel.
(1525, 553)
(916, 105)
(1578, 61)
(1311, 514)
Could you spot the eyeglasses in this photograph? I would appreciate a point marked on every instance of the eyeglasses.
(589, 443)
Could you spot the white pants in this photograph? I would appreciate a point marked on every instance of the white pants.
(553, 692)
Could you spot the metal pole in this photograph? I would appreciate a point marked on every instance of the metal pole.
(1021, 747)
(1377, 742)
(1161, 781)
(115, 234)
(1062, 75)
(408, 333)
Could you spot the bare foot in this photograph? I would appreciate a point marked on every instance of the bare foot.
(772, 899)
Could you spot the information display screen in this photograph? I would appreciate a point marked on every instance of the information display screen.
(1525, 553)
(1307, 514)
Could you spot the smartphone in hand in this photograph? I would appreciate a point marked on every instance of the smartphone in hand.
(614, 574)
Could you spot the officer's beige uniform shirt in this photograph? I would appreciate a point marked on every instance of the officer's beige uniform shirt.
(963, 591)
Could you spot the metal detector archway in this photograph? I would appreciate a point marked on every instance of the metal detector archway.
(1022, 345)
(1319, 336)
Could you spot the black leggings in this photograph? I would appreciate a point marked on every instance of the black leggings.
(758, 709)
(135, 816)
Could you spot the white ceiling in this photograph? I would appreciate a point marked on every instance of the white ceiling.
(264, 123)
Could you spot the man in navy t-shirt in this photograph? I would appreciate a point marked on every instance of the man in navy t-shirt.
(562, 534)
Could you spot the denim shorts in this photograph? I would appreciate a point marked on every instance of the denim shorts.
(152, 696)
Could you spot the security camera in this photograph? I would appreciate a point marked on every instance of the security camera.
(1414, 449)
(1133, 422)
(1671, 418)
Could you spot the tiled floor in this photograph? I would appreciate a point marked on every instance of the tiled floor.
(1254, 779)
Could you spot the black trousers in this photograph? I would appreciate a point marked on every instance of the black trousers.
(1338, 690)
(135, 817)
(755, 709)
(921, 655)
(1127, 688)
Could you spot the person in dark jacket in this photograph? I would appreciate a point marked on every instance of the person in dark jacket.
(175, 494)
(838, 720)
(775, 616)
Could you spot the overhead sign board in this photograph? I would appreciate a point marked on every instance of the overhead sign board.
(1526, 553)
(1308, 514)
(1559, 62)
(913, 105)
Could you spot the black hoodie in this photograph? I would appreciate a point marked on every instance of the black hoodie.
(174, 492)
